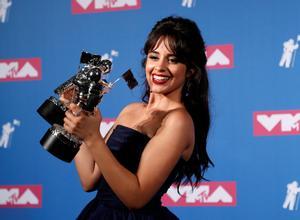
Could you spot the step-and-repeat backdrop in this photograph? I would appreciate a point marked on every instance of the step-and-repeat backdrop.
(254, 70)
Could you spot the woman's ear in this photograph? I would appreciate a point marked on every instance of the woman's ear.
(189, 73)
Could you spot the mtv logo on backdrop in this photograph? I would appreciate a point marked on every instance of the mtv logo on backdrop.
(23, 196)
(92, 6)
(219, 56)
(20, 69)
(269, 123)
(106, 125)
(4, 8)
(205, 194)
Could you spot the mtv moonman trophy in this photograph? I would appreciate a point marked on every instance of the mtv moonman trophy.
(88, 86)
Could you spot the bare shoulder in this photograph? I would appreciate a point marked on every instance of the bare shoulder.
(130, 112)
(178, 128)
(132, 108)
(180, 119)
(180, 124)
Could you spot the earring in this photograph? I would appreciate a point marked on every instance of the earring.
(187, 89)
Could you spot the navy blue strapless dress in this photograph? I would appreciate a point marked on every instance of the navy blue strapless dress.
(127, 145)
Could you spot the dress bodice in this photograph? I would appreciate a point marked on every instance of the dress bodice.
(127, 146)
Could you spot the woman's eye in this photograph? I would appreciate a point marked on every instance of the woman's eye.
(173, 60)
(152, 57)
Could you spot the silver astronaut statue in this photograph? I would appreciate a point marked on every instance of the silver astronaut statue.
(88, 86)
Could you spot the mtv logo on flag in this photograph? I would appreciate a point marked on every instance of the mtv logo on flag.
(23, 196)
(20, 69)
(219, 56)
(275, 123)
(205, 194)
(93, 6)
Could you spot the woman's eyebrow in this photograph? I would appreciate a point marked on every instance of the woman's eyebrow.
(153, 51)
(156, 52)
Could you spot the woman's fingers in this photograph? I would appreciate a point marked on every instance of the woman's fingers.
(70, 122)
(81, 123)
(75, 109)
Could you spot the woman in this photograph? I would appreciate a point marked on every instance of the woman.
(154, 143)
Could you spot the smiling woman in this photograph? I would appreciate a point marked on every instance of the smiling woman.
(165, 74)
(154, 143)
(184, 40)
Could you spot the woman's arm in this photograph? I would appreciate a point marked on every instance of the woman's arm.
(87, 169)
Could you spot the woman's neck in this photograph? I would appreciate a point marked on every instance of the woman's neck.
(164, 102)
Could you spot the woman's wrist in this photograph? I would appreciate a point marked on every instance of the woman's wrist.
(91, 140)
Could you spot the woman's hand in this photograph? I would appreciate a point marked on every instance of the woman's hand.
(84, 125)
(156, 110)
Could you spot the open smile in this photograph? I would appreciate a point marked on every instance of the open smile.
(160, 79)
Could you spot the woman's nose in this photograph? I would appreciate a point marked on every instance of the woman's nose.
(161, 65)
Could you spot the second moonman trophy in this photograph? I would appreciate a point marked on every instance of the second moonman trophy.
(87, 87)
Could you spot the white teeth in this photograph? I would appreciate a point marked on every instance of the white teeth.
(161, 78)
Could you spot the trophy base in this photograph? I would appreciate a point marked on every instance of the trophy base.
(53, 111)
(62, 147)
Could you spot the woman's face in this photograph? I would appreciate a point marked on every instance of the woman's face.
(163, 71)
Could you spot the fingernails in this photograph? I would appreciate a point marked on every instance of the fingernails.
(76, 113)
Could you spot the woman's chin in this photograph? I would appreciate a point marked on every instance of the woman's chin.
(158, 91)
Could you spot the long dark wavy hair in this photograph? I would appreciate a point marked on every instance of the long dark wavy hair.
(187, 44)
